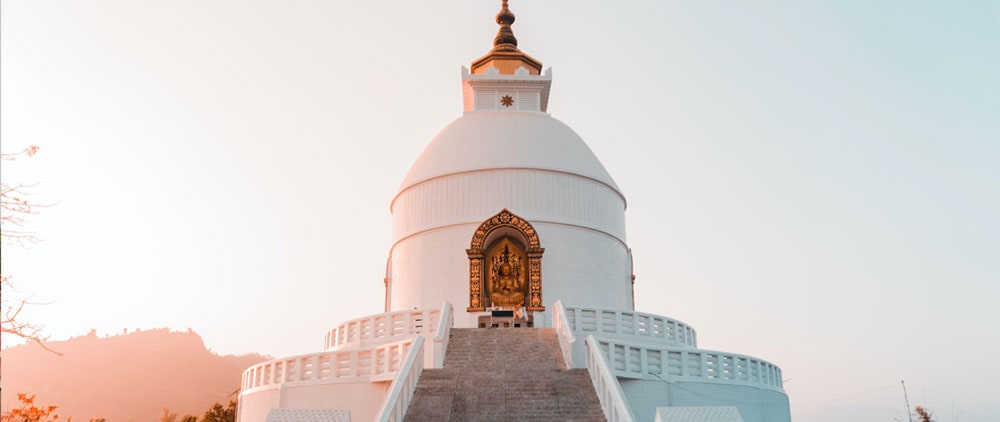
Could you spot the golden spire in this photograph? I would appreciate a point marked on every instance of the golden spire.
(505, 57)
(505, 40)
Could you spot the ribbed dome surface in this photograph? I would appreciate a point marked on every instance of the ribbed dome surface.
(487, 140)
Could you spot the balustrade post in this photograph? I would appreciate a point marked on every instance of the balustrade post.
(387, 358)
(575, 322)
(627, 355)
(643, 364)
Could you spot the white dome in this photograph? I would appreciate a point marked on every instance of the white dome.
(485, 140)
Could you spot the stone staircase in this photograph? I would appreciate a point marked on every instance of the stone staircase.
(504, 374)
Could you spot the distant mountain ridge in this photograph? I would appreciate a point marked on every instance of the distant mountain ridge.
(129, 377)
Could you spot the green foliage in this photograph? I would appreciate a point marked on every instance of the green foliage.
(221, 414)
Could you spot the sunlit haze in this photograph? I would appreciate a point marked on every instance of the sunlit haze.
(813, 182)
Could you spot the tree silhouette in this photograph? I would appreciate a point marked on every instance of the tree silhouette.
(221, 414)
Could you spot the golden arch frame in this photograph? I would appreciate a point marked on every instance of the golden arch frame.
(477, 287)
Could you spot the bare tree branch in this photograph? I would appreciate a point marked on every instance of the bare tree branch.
(15, 208)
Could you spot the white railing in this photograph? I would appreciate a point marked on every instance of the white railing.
(382, 328)
(377, 363)
(401, 391)
(441, 336)
(682, 364)
(564, 331)
(609, 391)
(631, 325)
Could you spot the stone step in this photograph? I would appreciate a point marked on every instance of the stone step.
(504, 375)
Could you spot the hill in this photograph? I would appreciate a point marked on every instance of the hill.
(129, 377)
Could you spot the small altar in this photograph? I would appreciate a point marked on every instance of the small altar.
(506, 319)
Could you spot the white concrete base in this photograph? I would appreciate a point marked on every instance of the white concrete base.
(309, 415)
(698, 414)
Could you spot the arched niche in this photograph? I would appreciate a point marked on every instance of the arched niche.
(503, 239)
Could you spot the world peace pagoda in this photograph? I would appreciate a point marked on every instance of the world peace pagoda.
(509, 291)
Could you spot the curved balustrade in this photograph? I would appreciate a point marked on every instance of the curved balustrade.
(682, 364)
(631, 325)
(401, 391)
(382, 328)
(609, 391)
(377, 363)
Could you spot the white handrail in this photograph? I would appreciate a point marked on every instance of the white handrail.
(683, 364)
(631, 325)
(401, 391)
(376, 363)
(609, 391)
(445, 322)
(381, 328)
(564, 331)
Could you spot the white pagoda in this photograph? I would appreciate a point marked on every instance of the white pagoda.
(510, 257)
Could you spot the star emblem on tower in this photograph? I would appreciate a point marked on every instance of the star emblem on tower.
(507, 101)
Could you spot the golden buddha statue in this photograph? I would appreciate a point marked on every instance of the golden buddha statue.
(506, 289)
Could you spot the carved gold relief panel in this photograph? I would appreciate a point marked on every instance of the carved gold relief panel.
(507, 272)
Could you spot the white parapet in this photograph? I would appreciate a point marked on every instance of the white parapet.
(682, 364)
(654, 377)
(382, 328)
(655, 361)
(609, 392)
(355, 379)
(433, 325)
(400, 394)
(378, 363)
(625, 326)
(631, 325)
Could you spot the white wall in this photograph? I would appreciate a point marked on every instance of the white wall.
(542, 195)
(363, 399)
(580, 223)
(755, 404)
(579, 266)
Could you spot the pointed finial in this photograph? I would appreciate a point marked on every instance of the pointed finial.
(505, 40)
(505, 58)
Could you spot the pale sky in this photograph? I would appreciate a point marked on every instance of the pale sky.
(814, 183)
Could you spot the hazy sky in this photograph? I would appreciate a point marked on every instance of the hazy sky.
(815, 183)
